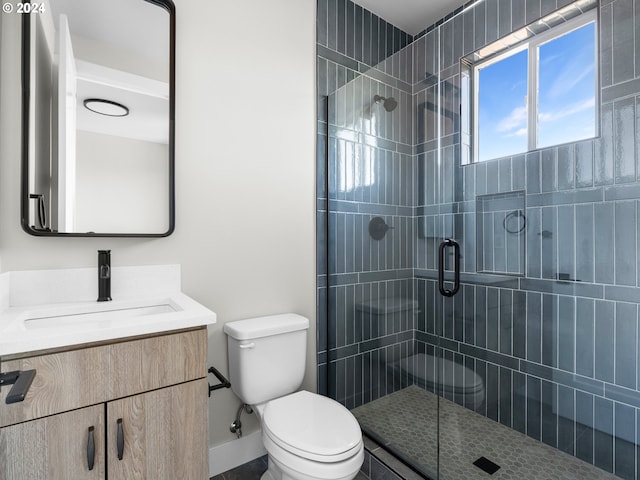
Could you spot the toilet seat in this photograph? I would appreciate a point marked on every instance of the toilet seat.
(311, 426)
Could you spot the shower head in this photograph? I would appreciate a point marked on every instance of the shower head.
(389, 104)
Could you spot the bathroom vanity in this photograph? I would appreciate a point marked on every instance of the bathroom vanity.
(125, 398)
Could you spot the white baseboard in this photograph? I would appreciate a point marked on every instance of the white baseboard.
(235, 453)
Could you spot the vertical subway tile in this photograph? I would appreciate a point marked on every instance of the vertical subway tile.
(550, 330)
(518, 14)
(585, 336)
(604, 341)
(534, 327)
(626, 326)
(549, 243)
(584, 163)
(469, 313)
(321, 22)
(625, 435)
(637, 119)
(566, 241)
(606, 45)
(547, 6)
(604, 240)
(566, 167)
(506, 321)
(534, 242)
(603, 161)
(358, 33)
(623, 41)
(493, 307)
(469, 243)
(533, 172)
(467, 32)
(624, 140)
(566, 419)
(457, 38)
(373, 44)
(332, 24)
(549, 176)
(504, 175)
(492, 177)
(584, 426)
(505, 397)
(518, 169)
(480, 21)
(625, 243)
(481, 316)
(519, 422)
(519, 324)
(549, 407)
(504, 17)
(492, 391)
(532, 11)
(584, 244)
(491, 33)
(534, 409)
(637, 44)
(603, 435)
(366, 36)
(566, 333)
(341, 30)
(350, 29)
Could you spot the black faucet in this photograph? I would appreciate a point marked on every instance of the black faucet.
(104, 275)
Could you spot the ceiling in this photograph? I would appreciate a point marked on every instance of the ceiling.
(412, 16)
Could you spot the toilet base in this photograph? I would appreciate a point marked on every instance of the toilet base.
(280, 472)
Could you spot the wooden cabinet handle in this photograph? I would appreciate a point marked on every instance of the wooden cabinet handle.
(120, 439)
(91, 449)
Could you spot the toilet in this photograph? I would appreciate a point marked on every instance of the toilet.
(307, 436)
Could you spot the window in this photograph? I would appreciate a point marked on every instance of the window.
(534, 94)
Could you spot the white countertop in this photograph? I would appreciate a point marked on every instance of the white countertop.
(39, 309)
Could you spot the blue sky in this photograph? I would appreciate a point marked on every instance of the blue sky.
(566, 103)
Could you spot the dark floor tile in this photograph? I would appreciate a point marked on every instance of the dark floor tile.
(249, 471)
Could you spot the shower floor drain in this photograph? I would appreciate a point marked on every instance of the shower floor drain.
(487, 465)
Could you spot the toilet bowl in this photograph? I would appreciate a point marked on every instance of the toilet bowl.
(307, 436)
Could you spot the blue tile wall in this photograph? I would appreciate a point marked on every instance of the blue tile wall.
(556, 337)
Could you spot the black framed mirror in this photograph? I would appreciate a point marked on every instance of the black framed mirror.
(98, 103)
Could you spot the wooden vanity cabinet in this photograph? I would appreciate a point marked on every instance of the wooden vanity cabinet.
(137, 409)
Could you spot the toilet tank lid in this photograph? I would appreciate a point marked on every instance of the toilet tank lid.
(265, 326)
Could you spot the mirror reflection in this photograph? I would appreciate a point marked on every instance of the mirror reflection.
(98, 108)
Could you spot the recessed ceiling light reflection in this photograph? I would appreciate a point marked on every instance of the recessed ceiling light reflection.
(106, 107)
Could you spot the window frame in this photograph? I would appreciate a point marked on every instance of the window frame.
(470, 82)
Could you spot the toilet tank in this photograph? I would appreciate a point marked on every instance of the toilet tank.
(266, 356)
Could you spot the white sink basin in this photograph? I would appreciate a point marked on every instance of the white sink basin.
(29, 329)
(98, 319)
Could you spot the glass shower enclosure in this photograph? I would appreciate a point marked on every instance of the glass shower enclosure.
(483, 316)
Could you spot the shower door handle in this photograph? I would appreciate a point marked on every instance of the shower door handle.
(456, 267)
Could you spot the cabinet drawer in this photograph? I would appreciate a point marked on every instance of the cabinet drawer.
(87, 376)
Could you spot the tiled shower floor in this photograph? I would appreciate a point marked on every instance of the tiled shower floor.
(407, 420)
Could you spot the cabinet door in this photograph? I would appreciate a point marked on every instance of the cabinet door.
(163, 434)
(55, 447)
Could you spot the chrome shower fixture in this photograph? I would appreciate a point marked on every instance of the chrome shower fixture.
(389, 103)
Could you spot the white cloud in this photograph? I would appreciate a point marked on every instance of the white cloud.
(588, 104)
(516, 120)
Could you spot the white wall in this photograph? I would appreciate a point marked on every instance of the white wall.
(245, 142)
